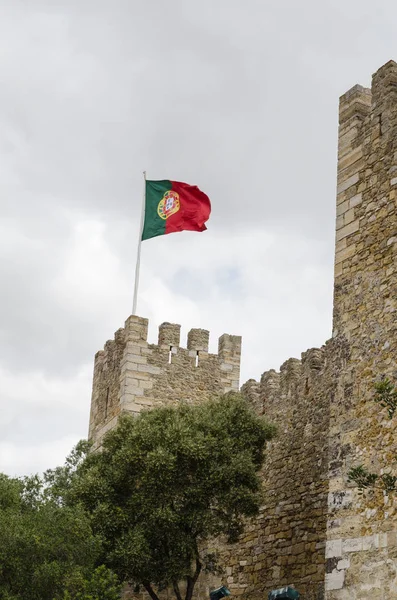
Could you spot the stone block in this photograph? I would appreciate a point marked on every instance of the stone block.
(348, 230)
(198, 339)
(355, 200)
(136, 328)
(345, 254)
(350, 158)
(343, 564)
(146, 384)
(229, 348)
(347, 183)
(169, 335)
(226, 367)
(128, 365)
(149, 369)
(144, 401)
(333, 548)
(131, 393)
(352, 545)
(130, 382)
(132, 407)
(138, 360)
(348, 217)
(334, 580)
(133, 348)
(342, 208)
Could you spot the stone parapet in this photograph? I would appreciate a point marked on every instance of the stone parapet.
(131, 375)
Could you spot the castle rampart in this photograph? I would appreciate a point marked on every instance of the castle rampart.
(286, 543)
(130, 374)
(314, 530)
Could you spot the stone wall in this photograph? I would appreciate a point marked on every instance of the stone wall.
(362, 531)
(314, 530)
(131, 375)
(286, 544)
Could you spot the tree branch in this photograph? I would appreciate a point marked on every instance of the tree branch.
(150, 590)
(191, 581)
(198, 570)
(177, 590)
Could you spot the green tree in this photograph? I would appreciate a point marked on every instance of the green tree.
(102, 585)
(168, 481)
(386, 396)
(46, 546)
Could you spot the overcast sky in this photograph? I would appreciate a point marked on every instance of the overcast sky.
(237, 96)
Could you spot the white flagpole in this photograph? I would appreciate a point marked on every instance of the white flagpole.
(138, 254)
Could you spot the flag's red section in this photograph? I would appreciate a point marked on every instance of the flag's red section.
(195, 209)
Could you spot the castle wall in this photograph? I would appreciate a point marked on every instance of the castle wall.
(314, 530)
(362, 532)
(286, 544)
(131, 375)
(106, 384)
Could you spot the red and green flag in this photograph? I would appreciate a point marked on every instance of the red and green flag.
(172, 206)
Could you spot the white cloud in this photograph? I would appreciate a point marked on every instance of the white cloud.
(45, 418)
(274, 289)
(17, 460)
(91, 278)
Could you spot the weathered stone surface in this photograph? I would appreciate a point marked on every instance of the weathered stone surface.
(314, 530)
(365, 304)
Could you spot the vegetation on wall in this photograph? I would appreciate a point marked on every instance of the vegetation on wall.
(386, 396)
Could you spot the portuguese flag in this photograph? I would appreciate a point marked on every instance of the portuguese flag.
(174, 206)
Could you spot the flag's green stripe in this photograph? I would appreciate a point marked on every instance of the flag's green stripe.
(154, 225)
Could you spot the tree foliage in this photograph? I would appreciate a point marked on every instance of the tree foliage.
(46, 547)
(169, 480)
(365, 480)
(102, 585)
(385, 395)
(140, 511)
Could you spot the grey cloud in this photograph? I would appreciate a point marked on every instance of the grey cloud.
(239, 97)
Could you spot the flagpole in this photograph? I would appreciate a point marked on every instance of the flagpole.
(138, 254)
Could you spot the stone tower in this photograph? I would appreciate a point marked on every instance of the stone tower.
(131, 375)
(314, 530)
(362, 535)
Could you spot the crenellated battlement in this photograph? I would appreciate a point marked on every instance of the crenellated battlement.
(294, 378)
(355, 104)
(131, 375)
(136, 331)
(169, 336)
